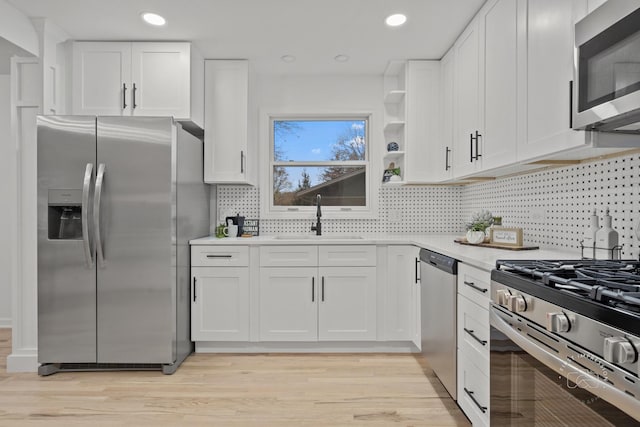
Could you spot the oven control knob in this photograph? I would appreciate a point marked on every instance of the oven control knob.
(501, 296)
(619, 350)
(516, 303)
(558, 322)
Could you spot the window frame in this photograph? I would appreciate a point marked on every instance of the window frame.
(270, 211)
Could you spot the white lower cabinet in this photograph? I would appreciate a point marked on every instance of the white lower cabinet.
(347, 306)
(402, 295)
(220, 304)
(288, 304)
(473, 343)
(316, 301)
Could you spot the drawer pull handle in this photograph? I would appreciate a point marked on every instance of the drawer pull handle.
(470, 393)
(219, 256)
(477, 288)
(470, 332)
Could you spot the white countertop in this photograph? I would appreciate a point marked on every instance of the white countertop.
(481, 257)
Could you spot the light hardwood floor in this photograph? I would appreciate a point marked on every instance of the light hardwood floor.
(235, 390)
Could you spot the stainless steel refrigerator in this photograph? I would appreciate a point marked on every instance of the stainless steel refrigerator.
(118, 200)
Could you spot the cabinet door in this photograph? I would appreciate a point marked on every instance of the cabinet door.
(498, 70)
(467, 100)
(226, 103)
(423, 119)
(220, 304)
(347, 309)
(162, 78)
(442, 153)
(288, 304)
(401, 292)
(549, 71)
(101, 78)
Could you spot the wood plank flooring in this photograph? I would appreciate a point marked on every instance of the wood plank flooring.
(235, 390)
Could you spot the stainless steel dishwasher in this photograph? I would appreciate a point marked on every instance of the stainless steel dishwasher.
(438, 288)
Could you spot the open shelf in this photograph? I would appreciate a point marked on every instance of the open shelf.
(391, 155)
(393, 127)
(394, 96)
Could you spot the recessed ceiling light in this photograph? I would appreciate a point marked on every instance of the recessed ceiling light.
(288, 58)
(153, 19)
(341, 58)
(395, 20)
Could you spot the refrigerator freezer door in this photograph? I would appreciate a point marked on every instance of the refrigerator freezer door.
(66, 274)
(137, 277)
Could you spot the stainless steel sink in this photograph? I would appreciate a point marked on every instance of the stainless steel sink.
(314, 237)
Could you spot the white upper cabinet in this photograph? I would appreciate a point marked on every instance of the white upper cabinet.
(548, 67)
(467, 100)
(412, 117)
(161, 79)
(486, 90)
(498, 84)
(441, 158)
(226, 121)
(134, 79)
(101, 82)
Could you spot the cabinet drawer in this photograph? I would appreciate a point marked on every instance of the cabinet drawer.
(347, 256)
(473, 283)
(219, 256)
(473, 332)
(288, 256)
(473, 391)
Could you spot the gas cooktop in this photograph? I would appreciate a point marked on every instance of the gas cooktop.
(606, 290)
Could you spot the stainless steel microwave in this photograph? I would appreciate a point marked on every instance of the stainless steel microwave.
(606, 90)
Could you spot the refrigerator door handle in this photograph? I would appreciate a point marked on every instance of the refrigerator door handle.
(96, 214)
(88, 256)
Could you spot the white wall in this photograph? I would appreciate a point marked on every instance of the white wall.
(16, 28)
(6, 156)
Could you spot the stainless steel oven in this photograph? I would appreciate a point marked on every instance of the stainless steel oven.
(606, 93)
(538, 380)
(565, 343)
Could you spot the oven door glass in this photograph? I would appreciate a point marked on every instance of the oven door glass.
(525, 392)
(609, 63)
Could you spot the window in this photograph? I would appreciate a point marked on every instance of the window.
(325, 156)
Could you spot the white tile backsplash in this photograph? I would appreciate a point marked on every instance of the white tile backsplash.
(552, 206)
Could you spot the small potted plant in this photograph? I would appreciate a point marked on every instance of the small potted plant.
(477, 225)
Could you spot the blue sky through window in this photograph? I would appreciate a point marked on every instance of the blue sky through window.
(312, 140)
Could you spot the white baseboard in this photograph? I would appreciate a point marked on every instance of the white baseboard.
(5, 322)
(305, 347)
(25, 362)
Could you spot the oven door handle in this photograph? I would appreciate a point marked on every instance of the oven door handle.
(601, 389)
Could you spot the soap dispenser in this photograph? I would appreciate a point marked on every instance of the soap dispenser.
(606, 239)
(589, 237)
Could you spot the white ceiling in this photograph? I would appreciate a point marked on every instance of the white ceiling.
(264, 30)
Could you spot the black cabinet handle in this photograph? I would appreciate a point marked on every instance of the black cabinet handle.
(471, 148)
(241, 161)
(322, 288)
(133, 92)
(446, 158)
(124, 96)
(417, 264)
(477, 138)
(470, 332)
(470, 393)
(219, 256)
(473, 285)
(313, 289)
(570, 104)
(194, 289)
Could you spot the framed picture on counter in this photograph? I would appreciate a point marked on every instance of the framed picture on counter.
(506, 236)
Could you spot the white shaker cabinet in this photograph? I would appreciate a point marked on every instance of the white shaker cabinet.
(308, 294)
(132, 79)
(347, 307)
(486, 90)
(441, 157)
(219, 293)
(226, 122)
(548, 67)
(402, 295)
(288, 304)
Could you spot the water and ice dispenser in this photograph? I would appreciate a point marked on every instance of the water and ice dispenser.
(65, 214)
